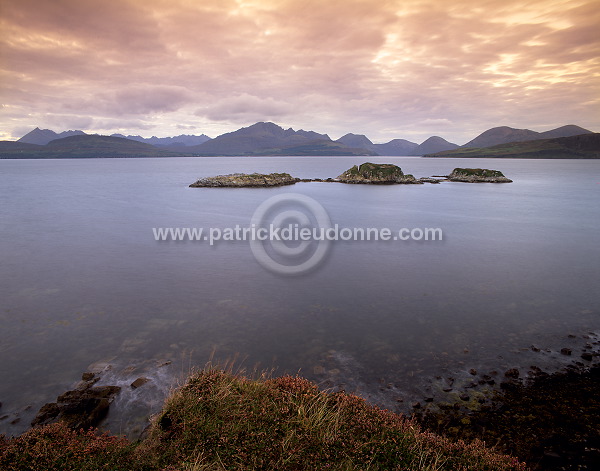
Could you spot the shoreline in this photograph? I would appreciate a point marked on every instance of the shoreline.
(458, 409)
(551, 423)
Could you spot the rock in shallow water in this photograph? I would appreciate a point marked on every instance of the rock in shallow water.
(376, 174)
(139, 382)
(80, 408)
(241, 180)
(477, 175)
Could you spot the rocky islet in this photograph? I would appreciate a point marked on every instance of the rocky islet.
(366, 173)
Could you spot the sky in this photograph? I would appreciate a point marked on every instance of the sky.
(387, 69)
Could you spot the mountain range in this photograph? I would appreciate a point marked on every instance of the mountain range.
(580, 146)
(504, 135)
(177, 142)
(44, 136)
(81, 146)
(271, 139)
(263, 138)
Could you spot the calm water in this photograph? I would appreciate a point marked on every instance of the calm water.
(84, 281)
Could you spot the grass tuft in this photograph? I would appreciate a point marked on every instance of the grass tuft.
(220, 420)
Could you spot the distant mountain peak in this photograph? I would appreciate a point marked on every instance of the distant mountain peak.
(505, 134)
(268, 138)
(175, 142)
(434, 139)
(565, 131)
(44, 136)
(356, 140)
(433, 144)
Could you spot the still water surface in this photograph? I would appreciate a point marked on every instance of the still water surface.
(83, 280)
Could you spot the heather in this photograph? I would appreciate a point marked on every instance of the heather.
(224, 421)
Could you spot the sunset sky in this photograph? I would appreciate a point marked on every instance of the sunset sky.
(387, 69)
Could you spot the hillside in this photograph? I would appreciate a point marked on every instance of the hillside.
(44, 136)
(271, 139)
(219, 421)
(433, 144)
(356, 140)
(564, 131)
(582, 146)
(266, 138)
(170, 143)
(16, 146)
(320, 147)
(505, 135)
(81, 146)
(395, 147)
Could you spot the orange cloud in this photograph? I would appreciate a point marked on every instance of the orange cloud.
(384, 68)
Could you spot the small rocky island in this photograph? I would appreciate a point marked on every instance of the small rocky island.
(367, 173)
(239, 180)
(477, 175)
(376, 174)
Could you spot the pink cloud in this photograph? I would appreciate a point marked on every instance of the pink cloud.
(370, 66)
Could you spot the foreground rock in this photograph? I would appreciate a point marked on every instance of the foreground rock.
(240, 180)
(83, 407)
(477, 175)
(376, 174)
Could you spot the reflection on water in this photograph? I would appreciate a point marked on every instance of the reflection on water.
(85, 282)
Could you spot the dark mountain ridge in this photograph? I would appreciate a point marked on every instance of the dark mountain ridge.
(44, 136)
(82, 146)
(581, 146)
(397, 147)
(183, 140)
(505, 134)
(266, 138)
(433, 144)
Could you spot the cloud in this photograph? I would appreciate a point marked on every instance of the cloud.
(111, 126)
(117, 125)
(244, 108)
(144, 100)
(368, 66)
(71, 122)
(435, 122)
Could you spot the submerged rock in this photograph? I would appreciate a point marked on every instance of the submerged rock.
(376, 173)
(139, 382)
(240, 180)
(512, 373)
(477, 175)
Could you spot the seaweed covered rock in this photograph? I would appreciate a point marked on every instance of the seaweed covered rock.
(240, 180)
(376, 173)
(477, 175)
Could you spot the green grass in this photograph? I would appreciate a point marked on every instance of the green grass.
(222, 421)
